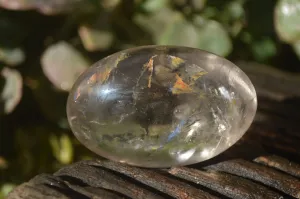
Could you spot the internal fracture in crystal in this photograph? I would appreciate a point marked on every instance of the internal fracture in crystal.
(161, 106)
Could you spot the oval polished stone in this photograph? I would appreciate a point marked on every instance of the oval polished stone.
(161, 106)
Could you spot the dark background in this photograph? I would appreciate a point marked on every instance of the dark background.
(45, 46)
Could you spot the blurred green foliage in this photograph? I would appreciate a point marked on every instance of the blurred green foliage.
(45, 45)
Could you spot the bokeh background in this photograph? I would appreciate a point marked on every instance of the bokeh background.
(46, 44)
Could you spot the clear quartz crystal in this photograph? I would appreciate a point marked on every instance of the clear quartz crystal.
(161, 106)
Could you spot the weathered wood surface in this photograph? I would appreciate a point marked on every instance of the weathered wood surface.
(263, 164)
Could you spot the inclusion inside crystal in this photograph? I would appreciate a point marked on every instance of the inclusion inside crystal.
(161, 106)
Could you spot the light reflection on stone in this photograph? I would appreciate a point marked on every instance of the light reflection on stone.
(161, 106)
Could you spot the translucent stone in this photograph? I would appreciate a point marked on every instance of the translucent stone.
(161, 106)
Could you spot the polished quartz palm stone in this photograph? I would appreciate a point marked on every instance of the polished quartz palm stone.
(161, 106)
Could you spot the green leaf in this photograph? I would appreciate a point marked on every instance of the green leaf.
(179, 33)
(96, 33)
(154, 5)
(66, 152)
(62, 64)
(62, 148)
(287, 19)
(12, 91)
(5, 189)
(235, 10)
(198, 4)
(94, 39)
(263, 49)
(157, 23)
(12, 57)
(169, 27)
(214, 38)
